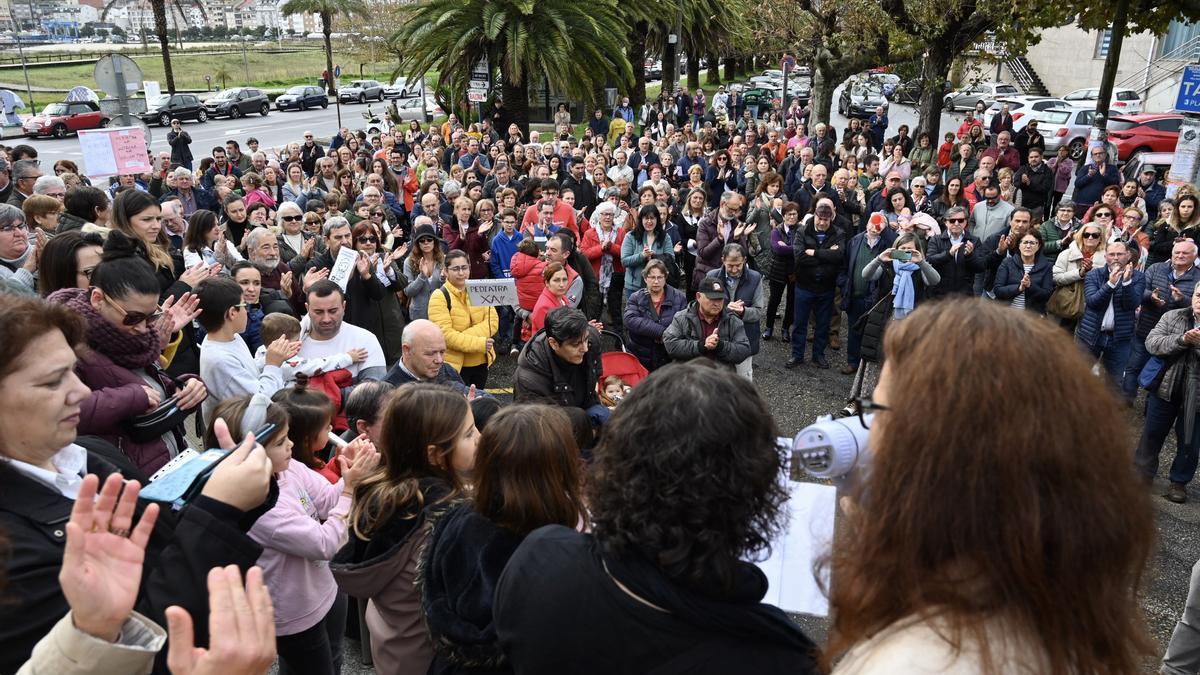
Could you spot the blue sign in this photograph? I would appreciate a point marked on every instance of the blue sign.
(1189, 91)
(337, 71)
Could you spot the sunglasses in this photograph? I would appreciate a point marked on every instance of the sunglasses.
(956, 220)
(369, 239)
(291, 219)
(1091, 235)
(134, 318)
(1104, 215)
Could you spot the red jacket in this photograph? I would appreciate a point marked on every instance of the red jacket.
(545, 302)
(474, 245)
(527, 270)
(943, 157)
(593, 251)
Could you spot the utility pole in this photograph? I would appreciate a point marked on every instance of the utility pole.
(245, 63)
(24, 65)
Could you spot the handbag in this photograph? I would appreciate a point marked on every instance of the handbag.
(1152, 374)
(165, 418)
(1067, 301)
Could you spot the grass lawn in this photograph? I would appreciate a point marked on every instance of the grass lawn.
(266, 70)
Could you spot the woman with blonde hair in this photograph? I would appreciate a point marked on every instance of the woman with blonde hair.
(1030, 565)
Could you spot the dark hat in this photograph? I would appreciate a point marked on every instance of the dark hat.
(423, 231)
(712, 288)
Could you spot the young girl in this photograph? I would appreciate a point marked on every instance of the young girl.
(427, 444)
(945, 150)
(526, 476)
(310, 420)
(304, 529)
(612, 390)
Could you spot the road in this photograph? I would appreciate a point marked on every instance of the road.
(280, 128)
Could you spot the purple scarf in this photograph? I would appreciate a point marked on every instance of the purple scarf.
(124, 349)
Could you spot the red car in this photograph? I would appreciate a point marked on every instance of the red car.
(60, 119)
(1144, 133)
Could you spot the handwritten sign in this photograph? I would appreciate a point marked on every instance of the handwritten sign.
(343, 267)
(492, 292)
(113, 152)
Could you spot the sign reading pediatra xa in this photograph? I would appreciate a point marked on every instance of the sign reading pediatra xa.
(492, 292)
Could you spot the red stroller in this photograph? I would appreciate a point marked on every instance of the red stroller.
(620, 362)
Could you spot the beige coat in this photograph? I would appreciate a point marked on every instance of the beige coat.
(66, 650)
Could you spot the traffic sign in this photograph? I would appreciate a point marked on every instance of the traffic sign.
(481, 72)
(788, 62)
(1188, 100)
(114, 70)
(477, 95)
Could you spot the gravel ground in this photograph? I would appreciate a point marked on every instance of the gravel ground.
(797, 397)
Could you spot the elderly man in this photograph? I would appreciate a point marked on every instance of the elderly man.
(396, 212)
(310, 152)
(50, 186)
(192, 197)
(173, 221)
(745, 295)
(1001, 122)
(423, 359)
(973, 191)
(326, 180)
(707, 328)
(1169, 286)
(1093, 178)
(719, 227)
(1112, 295)
(1003, 152)
(25, 173)
(258, 162)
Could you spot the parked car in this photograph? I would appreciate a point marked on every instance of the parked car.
(988, 92)
(404, 87)
(60, 119)
(1020, 108)
(860, 98)
(238, 101)
(302, 97)
(653, 70)
(1135, 134)
(1160, 162)
(162, 109)
(1124, 101)
(1066, 126)
(410, 109)
(361, 91)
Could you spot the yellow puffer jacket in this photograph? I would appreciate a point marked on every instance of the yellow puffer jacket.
(466, 328)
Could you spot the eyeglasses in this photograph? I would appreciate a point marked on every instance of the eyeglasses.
(369, 239)
(1029, 242)
(956, 220)
(134, 318)
(13, 227)
(866, 406)
(291, 219)
(1090, 235)
(88, 272)
(459, 268)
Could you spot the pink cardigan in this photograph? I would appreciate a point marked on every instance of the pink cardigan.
(297, 546)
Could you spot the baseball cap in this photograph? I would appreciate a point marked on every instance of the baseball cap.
(712, 288)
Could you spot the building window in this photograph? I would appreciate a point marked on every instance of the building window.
(1102, 42)
(1179, 34)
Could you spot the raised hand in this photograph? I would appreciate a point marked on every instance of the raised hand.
(281, 350)
(243, 478)
(176, 315)
(285, 281)
(313, 276)
(241, 628)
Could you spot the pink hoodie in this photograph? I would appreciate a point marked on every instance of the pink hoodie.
(297, 546)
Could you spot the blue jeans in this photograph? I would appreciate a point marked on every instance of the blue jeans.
(1133, 367)
(821, 305)
(1160, 416)
(855, 309)
(507, 321)
(1113, 356)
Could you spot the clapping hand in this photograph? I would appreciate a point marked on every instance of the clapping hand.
(357, 460)
(1158, 298)
(313, 276)
(176, 315)
(241, 628)
(102, 562)
(1176, 294)
(285, 282)
(281, 350)
(1025, 281)
(306, 250)
(711, 341)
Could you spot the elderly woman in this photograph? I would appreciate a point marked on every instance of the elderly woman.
(18, 259)
(1085, 252)
(42, 402)
(296, 245)
(602, 246)
(382, 316)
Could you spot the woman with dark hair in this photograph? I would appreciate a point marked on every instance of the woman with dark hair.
(235, 219)
(68, 261)
(721, 177)
(205, 242)
(646, 242)
(127, 332)
(526, 476)
(781, 274)
(648, 314)
(84, 205)
(379, 313)
(894, 273)
(379, 166)
(679, 497)
(899, 204)
(41, 401)
(1031, 566)
(952, 195)
(427, 455)
(1026, 280)
(692, 207)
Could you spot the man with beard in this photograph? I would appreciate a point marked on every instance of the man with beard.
(279, 281)
(328, 335)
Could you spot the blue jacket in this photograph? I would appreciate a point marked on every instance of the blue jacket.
(1097, 293)
(1089, 186)
(1154, 196)
(503, 250)
(646, 327)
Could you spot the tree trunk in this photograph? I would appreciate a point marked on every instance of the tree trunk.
(824, 82)
(693, 70)
(670, 68)
(516, 101)
(159, 8)
(938, 60)
(327, 29)
(730, 69)
(637, 59)
(1111, 62)
(713, 74)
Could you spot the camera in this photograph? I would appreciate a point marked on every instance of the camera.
(832, 448)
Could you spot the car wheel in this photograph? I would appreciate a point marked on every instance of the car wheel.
(235, 112)
(362, 98)
(303, 106)
(164, 120)
(1077, 148)
(202, 116)
(60, 131)
(266, 108)
(324, 103)
(104, 122)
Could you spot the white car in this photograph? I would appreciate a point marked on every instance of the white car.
(1020, 108)
(1124, 101)
(404, 87)
(410, 109)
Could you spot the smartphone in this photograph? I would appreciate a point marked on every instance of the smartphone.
(903, 256)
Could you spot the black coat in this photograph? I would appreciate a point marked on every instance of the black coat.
(818, 273)
(1008, 280)
(958, 271)
(181, 551)
(542, 377)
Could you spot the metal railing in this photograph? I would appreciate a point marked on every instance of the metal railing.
(1162, 67)
(1025, 79)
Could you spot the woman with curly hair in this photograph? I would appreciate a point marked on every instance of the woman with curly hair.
(679, 497)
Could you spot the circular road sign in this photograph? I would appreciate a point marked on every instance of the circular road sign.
(106, 72)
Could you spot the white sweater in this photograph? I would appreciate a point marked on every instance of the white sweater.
(228, 370)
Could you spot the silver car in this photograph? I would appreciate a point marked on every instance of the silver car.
(988, 92)
(1066, 126)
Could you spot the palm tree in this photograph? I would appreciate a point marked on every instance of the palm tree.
(327, 9)
(159, 9)
(572, 46)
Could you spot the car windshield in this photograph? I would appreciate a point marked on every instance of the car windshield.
(158, 101)
(1053, 116)
(225, 95)
(1082, 95)
(55, 109)
(358, 84)
(295, 91)
(866, 91)
(1122, 125)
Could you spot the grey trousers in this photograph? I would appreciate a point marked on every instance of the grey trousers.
(1183, 652)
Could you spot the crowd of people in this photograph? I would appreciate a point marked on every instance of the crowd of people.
(314, 300)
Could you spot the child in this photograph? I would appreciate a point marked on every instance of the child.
(945, 150)
(276, 325)
(304, 529)
(612, 390)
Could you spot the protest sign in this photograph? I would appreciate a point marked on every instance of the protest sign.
(492, 292)
(114, 151)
